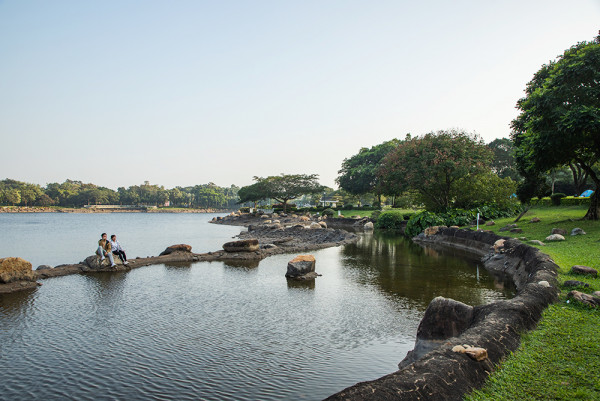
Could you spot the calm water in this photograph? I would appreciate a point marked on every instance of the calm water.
(214, 331)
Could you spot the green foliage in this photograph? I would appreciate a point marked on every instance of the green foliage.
(484, 189)
(566, 201)
(503, 162)
(375, 214)
(328, 212)
(282, 188)
(359, 173)
(390, 220)
(433, 164)
(559, 123)
(420, 221)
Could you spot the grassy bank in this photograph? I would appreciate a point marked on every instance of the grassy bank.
(560, 360)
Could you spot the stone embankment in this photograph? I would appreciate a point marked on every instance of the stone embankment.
(458, 345)
(263, 238)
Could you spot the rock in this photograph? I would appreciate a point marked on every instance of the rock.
(579, 269)
(578, 231)
(490, 223)
(323, 224)
(596, 294)
(584, 298)
(559, 231)
(300, 266)
(268, 246)
(44, 267)
(93, 262)
(276, 221)
(499, 246)
(267, 221)
(368, 226)
(274, 215)
(575, 283)
(264, 216)
(535, 220)
(15, 269)
(314, 225)
(555, 237)
(176, 248)
(245, 245)
(300, 226)
(544, 283)
(537, 242)
(304, 218)
(432, 230)
(508, 227)
(444, 318)
(516, 230)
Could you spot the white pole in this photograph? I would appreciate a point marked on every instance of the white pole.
(478, 221)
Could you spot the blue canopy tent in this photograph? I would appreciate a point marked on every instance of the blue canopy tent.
(586, 194)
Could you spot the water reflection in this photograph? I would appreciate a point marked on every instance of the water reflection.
(301, 284)
(245, 264)
(418, 274)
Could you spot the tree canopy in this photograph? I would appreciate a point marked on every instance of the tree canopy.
(359, 173)
(282, 188)
(559, 123)
(434, 164)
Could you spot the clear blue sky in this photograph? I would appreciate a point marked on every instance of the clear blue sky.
(187, 92)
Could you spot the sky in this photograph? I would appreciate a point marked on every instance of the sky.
(182, 93)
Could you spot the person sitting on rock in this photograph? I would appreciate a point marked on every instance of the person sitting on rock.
(104, 249)
(117, 249)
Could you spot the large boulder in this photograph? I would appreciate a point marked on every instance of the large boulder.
(368, 226)
(176, 248)
(578, 231)
(314, 225)
(15, 269)
(560, 231)
(301, 267)
(93, 262)
(246, 245)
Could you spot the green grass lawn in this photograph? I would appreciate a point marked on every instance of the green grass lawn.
(560, 360)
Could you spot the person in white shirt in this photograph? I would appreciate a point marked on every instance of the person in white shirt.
(117, 249)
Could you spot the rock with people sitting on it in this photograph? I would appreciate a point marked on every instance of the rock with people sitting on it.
(176, 248)
(246, 245)
(15, 269)
(302, 267)
(585, 270)
(559, 231)
(95, 262)
(555, 237)
(578, 231)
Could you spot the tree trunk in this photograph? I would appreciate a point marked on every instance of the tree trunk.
(593, 212)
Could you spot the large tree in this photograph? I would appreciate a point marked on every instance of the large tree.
(559, 122)
(282, 188)
(503, 162)
(434, 164)
(359, 173)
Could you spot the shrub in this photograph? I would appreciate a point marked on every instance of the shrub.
(244, 210)
(419, 222)
(375, 214)
(390, 219)
(328, 212)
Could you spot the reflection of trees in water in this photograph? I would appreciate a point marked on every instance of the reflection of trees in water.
(416, 274)
(244, 264)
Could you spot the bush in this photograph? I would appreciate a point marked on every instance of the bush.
(555, 198)
(390, 219)
(419, 222)
(328, 212)
(244, 210)
(375, 214)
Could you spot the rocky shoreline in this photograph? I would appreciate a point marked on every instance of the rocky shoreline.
(298, 234)
(43, 209)
(459, 345)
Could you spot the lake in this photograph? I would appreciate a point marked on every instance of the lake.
(212, 330)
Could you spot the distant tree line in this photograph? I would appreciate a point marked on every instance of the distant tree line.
(78, 194)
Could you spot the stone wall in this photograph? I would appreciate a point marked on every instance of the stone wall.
(436, 369)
